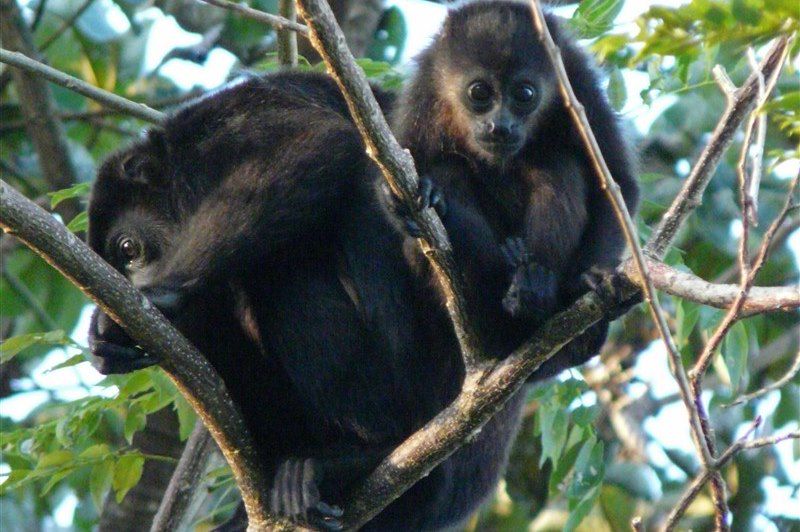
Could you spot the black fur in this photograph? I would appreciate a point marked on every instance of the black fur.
(524, 210)
(265, 243)
(271, 250)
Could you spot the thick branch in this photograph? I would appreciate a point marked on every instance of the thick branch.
(395, 163)
(184, 482)
(196, 379)
(109, 99)
(722, 296)
(737, 109)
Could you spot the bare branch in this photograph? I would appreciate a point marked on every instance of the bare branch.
(193, 375)
(287, 40)
(185, 481)
(722, 296)
(67, 24)
(788, 376)
(38, 108)
(705, 358)
(611, 189)
(109, 99)
(738, 107)
(279, 23)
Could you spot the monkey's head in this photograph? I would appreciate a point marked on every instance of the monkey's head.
(493, 78)
(131, 212)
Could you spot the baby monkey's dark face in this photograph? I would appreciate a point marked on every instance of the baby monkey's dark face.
(494, 112)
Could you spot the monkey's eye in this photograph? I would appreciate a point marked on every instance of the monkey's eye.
(523, 93)
(129, 249)
(480, 93)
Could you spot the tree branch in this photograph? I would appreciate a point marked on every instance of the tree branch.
(185, 481)
(193, 375)
(395, 163)
(739, 105)
(109, 99)
(287, 39)
(38, 108)
(722, 296)
(279, 23)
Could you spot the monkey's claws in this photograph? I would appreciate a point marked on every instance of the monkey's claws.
(113, 351)
(428, 195)
(610, 288)
(295, 494)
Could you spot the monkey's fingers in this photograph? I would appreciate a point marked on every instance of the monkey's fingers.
(114, 359)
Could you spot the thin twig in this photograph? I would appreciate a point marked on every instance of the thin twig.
(614, 196)
(699, 482)
(737, 109)
(66, 25)
(788, 376)
(705, 358)
(279, 23)
(106, 98)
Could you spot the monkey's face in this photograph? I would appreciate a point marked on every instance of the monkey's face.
(492, 79)
(131, 216)
(495, 111)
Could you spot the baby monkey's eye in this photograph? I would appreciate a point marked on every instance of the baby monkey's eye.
(480, 92)
(523, 93)
(129, 249)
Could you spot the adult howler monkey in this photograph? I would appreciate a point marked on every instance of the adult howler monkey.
(501, 161)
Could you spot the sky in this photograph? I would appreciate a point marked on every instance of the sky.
(670, 428)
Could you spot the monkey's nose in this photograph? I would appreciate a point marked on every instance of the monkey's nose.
(500, 130)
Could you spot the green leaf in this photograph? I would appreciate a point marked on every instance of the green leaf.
(14, 345)
(595, 17)
(100, 481)
(134, 422)
(81, 190)
(686, 316)
(585, 415)
(581, 509)
(565, 464)
(735, 349)
(127, 473)
(554, 425)
(54, 459)
(637, 479)
(79, 223)
(54, 479)
(617, 93)
(96, 451)
(187, 418)
(71, 361)
(390, 37)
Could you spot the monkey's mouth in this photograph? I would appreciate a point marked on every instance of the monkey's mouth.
(500, 148)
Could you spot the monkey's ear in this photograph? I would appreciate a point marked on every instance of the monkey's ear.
(146, 165)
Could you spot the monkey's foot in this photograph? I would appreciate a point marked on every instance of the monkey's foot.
(428, 195)
(295, 494)
(534, 289)
(113, 351)
(610, 288)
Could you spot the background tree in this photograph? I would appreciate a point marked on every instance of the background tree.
(590, 450)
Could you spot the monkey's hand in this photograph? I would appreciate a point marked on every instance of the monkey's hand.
(609, 287)
(295, 494)
(113, 351)
(170, 295)
(534, 289)
(428, 195)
